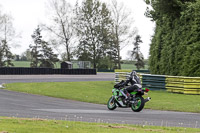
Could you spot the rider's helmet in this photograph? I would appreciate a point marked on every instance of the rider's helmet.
(133, 73)
(135, 77)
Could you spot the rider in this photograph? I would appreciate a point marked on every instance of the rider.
(135, 82)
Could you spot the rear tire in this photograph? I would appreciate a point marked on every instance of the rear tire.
(111, 103)
(139, 105)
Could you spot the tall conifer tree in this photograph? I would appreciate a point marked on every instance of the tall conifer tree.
(41, 53)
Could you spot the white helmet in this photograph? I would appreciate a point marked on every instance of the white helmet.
(133, 73)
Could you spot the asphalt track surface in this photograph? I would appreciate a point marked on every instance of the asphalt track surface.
(14, 104)
(56, 78)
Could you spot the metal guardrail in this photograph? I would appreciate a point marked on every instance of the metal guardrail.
(185, 85)
(174, 84)
(130, 70)
(192, 85)
(121, 76)
(153, 82)
(105, 70)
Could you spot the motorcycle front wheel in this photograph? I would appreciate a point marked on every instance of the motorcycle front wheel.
(138, 105)
(111, 103)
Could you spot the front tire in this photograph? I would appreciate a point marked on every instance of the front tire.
(138, 105)
(111, 103)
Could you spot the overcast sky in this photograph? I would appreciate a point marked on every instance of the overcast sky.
(28, 14)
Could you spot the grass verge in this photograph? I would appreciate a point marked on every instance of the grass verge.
(100, 91)
(22, 125)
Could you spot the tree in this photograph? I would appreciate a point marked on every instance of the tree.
(48, 58)
(42, 55)
(122, 27)
(174, 48)
(61, 27)
(6, 55)
(7, 33)
(36, 47)
(94, 29)
(1, 55)
(136, 53)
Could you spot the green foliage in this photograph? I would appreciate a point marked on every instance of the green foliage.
(105, 63)
(136, 53)
(164, 7)
(192, 40)
(48, 58)
(7, 34)
(94, 31)
(42, 55)
(175, 45)
(35, 48)
(1, 57)
(6, 56)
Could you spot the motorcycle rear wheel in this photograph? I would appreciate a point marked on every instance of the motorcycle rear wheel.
(111, 103)
(139, 105)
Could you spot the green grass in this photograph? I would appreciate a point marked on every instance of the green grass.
(22, 125)
(100, 91)
(27, 64)
(132, 66)
(94, 92)
(21, 63)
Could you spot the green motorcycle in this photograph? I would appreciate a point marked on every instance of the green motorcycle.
(136, 101)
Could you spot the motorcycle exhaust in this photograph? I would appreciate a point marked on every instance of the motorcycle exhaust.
(147, 99)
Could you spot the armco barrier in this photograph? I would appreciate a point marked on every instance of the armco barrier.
(105, 70)
(31, 71)
(130, 70)
(191, 85)
(185, 85)
(174, 84)
(119, 76)
(153, 82)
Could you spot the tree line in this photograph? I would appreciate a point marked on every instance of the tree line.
(175, 48)
(88, 31)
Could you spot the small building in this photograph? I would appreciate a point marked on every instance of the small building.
(66, 65)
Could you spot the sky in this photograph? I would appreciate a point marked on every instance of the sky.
(27, 14)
